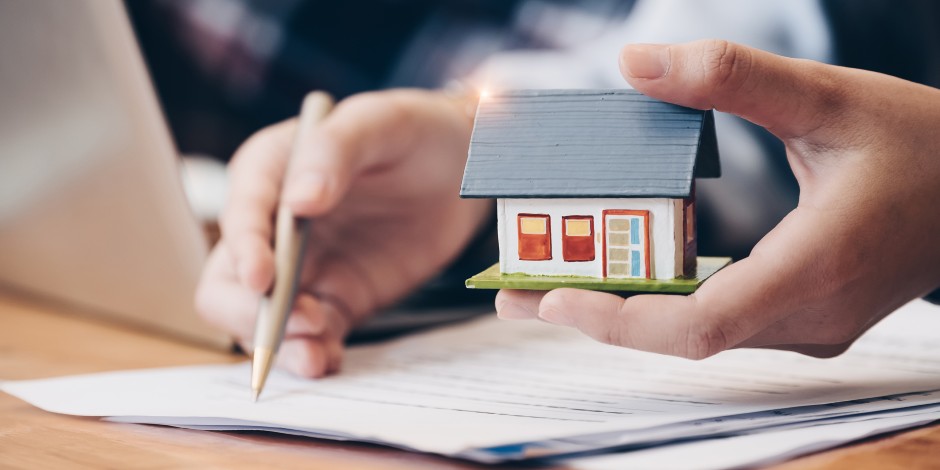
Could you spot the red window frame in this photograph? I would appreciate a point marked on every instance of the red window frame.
(576, 248)
(535, 247)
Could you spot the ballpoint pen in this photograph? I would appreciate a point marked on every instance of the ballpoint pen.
(290, 238)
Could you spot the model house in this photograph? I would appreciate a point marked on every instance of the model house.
(591, 183)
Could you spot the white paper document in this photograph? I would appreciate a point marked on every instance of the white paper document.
(758, 448)
(490, 390)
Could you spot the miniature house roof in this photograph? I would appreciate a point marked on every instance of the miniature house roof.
(587, 143)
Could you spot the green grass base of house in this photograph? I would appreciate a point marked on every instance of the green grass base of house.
(493, 279)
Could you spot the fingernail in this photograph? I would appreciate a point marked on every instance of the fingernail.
(556, 317)
(648, 61)
(511, 311)
(306, 187)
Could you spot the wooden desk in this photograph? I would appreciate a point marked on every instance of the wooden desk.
(39, 340)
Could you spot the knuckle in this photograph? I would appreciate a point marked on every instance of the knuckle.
(268, 139)
(558, 299)
(827, 103)
(242, 221)
(232, 229)
(614, 335)
(232, 217)
(338, 139)
(205, 304)
(700, 341)
(727, 66)
(400, 108)
(829, 90)
(617, 332)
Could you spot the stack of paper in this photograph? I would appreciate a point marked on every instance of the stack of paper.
(494, 391)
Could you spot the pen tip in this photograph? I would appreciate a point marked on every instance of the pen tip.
(261, 363)
(254, 395)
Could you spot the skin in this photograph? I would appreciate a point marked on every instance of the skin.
(862, 242)
(381, 177)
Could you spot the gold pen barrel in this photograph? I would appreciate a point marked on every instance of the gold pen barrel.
(290, 237)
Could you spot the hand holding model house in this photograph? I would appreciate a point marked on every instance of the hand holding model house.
(864, 240)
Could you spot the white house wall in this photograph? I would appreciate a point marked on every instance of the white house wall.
(663, 243)
(678, 229)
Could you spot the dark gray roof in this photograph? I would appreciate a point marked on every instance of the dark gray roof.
(587, 143)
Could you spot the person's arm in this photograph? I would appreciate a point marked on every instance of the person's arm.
(862, 242)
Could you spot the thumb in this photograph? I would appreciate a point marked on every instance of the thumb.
(321, 165)
(788, 97)
(368, 131)
(330, 150)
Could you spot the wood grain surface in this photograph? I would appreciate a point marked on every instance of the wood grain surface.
(44, 340)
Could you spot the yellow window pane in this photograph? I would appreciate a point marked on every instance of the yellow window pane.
(578, 228)
(619, 239)
(618, 269)
(532, 225)
(620, 225)
(616, 254)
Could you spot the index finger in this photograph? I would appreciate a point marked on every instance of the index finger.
(255, 178)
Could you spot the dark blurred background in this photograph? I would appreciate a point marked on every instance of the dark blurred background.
(226, 68)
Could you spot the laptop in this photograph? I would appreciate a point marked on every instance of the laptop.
(92, 208)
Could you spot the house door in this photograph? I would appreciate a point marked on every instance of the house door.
(626, 244)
